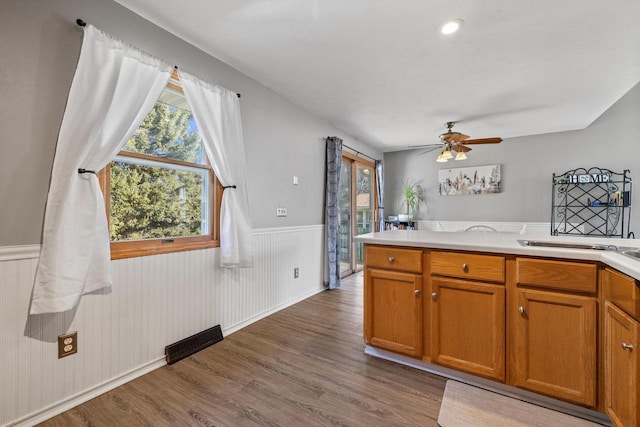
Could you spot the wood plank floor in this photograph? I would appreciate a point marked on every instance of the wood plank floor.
(303, 366)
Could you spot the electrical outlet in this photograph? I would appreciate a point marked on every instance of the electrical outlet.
(67, 344)
(281, 211)
(296, 273)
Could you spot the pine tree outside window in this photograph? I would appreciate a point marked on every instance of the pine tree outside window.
(160, 192)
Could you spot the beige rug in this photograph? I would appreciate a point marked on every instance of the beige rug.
(467, 406)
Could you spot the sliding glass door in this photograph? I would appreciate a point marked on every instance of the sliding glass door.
(345, 241)
(365, 207)
(356, 197)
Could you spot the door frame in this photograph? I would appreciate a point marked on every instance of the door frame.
(354, 159)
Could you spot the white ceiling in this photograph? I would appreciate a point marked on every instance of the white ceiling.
(380, 71)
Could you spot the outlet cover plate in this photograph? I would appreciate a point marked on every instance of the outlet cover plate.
(67, 344)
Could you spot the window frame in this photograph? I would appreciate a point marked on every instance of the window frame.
(146, 247)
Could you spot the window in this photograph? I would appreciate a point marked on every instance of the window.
(160, 191)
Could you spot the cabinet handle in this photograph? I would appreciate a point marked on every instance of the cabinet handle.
(465, 267)
(391, 259)
(417, 292)
(521, 310)
(626, 346)
(434, 296)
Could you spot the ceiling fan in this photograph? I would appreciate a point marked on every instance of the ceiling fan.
(454, 141)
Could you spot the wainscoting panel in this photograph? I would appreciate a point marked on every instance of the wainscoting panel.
(155, 301)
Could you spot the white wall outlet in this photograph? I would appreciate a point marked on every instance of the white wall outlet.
(281, 211)
(295, 180)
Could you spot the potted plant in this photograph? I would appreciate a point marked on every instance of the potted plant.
(412, 195)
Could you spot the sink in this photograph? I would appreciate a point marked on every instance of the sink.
(546, 244)
(633, 253)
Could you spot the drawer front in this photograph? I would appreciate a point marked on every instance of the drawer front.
(623, 291)
(392, 258)
(562, 275)
(468, 266)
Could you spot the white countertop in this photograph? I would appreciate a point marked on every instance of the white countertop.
(508, 244)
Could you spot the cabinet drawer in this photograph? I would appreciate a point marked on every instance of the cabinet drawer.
(564, 275)
(392, 258)
(468, 266)
(623, 291)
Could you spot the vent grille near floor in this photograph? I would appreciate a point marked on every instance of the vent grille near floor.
(193, 344)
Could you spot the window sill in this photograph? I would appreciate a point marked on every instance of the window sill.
(123, 250)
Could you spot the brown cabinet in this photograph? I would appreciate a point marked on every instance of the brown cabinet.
(531, 322)
(621, 346)
(393, 300)
(554, 345)
(468, 312)
(554, 329)
(468, 326)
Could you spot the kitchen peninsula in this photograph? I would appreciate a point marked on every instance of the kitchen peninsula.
(539, 317)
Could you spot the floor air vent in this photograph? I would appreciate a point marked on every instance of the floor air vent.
(193, 344)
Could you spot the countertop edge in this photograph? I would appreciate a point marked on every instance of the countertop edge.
(508, 244)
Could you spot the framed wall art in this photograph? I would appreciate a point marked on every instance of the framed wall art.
(469, 180)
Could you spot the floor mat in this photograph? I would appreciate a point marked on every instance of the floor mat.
(465, 405)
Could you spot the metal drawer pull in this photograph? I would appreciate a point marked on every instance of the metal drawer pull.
(465, 267)
(391, 259)
(434, 296)
(521, 310)
(417, 292)
(626, 346)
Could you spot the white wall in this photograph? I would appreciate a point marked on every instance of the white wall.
(527, 167)
(156, 301)
(39, 48)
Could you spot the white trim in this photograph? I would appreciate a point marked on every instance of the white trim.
(73, 401)
(84, 396)
(235, 328)
(276, 230)
(496, 387)
(14, 253)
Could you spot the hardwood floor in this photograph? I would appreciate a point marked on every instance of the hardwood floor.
(303, 366)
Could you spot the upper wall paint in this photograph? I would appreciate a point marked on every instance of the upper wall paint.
(527, 167)
(39, 48)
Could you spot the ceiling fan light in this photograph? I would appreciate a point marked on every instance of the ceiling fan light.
(461, 156)
(446, 154)
(441, 158)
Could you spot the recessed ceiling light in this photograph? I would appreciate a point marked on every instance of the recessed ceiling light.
(451, 26)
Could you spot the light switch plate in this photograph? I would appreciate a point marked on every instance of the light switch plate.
(281, 211)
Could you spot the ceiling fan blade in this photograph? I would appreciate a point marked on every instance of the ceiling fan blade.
(428, 150)
(458, 148)
(482, 141)
(439, 144)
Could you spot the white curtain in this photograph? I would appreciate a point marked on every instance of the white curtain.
(216, 111)
(113, 89)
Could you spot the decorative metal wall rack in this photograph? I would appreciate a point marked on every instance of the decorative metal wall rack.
(591, 202)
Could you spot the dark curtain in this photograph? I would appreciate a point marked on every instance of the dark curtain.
(380, 190)
(334, 162)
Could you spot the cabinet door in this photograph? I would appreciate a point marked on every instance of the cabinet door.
(468, 326)
(393, 311)
(621, 367)
(554, 351)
